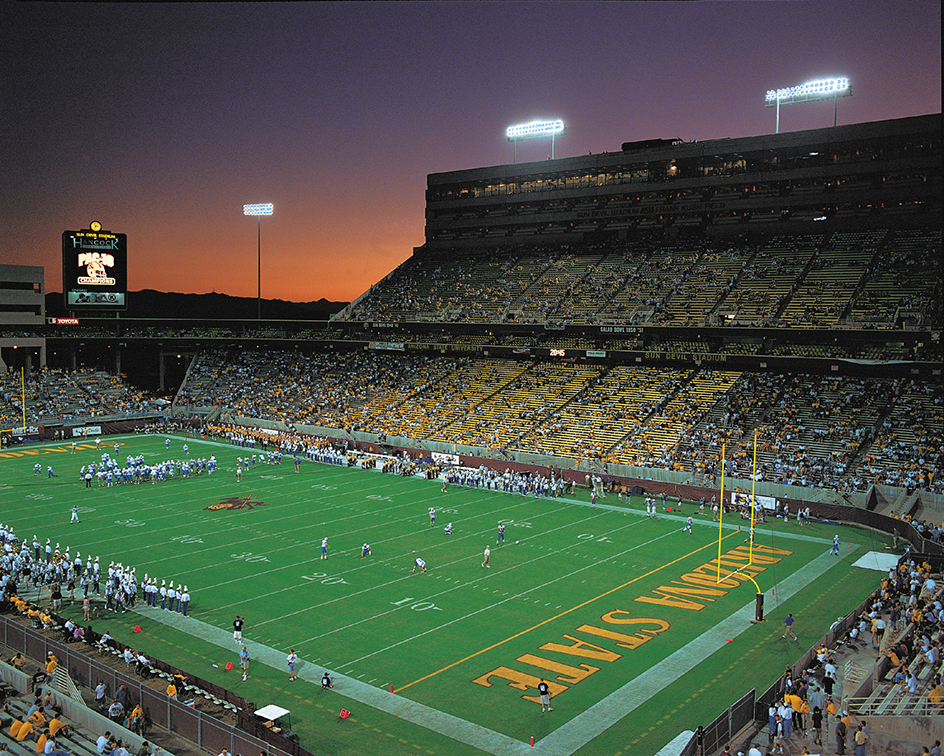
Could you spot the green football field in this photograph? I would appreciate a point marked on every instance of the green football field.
(621, 614)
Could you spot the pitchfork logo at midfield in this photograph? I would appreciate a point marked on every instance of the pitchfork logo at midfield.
(234, 503)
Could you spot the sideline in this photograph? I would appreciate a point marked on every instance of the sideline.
(570, 736)
(566, 739)
(681, 518)
(592, 721)
(410, 711)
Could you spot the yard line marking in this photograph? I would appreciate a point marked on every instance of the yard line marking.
(563, 741)
(556, 616)
(592, 721)
(378, 697)
(470, 584)
(388, 583)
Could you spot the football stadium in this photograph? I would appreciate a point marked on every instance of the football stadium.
(638, 453)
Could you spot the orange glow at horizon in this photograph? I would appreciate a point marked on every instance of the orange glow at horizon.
(163, 120)
(297, 266)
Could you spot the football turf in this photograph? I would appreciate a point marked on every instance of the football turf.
(590, 598)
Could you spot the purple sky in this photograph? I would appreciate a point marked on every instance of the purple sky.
(162, 120)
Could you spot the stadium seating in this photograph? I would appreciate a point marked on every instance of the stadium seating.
(811, 430)
(902, 281)
(798, 281)
(53, 396)
(842, 432)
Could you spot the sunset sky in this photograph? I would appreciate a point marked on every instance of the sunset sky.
(163, 120)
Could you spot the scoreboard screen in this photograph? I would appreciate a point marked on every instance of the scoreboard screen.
(94, 270)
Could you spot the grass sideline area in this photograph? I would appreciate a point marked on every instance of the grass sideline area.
(617, 611)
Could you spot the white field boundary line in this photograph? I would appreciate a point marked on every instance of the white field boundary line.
(587, 725)
(427, 717)
(563, 741)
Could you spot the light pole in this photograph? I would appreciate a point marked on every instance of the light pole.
(822, 89)
(258, 211)
(534, 130)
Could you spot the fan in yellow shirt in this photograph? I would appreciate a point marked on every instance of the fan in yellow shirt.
(26, 729)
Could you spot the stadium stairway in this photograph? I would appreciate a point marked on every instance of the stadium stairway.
(881, 724)
(84, 723)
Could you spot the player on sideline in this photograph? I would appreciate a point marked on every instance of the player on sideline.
(432, 517)
(788, 624)
(487, 554)
(244, 661)
(688, 525)
(545, 692)
(238, 629)
(291, 660)
(418, 563)
(324, 547)
(835, 548)
(501, 534)
(445, 485)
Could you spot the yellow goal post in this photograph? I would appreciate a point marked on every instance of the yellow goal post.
(759, 610)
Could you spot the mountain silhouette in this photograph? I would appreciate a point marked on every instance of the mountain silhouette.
(148, 303)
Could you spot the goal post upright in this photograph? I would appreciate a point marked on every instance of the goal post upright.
(759, 600)
(753, 500)
(721, 513)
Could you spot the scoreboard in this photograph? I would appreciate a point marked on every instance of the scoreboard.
(94, 270)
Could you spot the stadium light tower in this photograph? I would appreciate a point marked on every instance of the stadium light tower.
(534, 130)
(258, 211)
(822, 89)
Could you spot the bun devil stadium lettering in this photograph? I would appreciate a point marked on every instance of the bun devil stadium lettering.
(688, 593)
